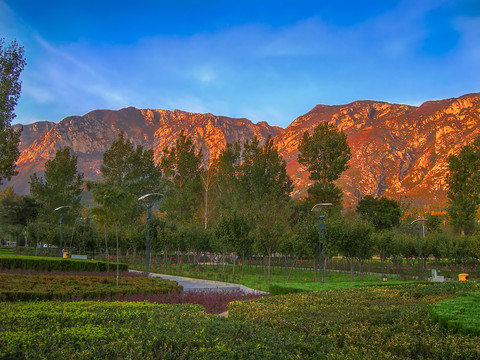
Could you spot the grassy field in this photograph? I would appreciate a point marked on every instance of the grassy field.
(254, 277)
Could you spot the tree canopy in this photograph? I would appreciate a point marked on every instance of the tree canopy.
(325, 155)
(12, 63)
(383, 213)
(464, 186)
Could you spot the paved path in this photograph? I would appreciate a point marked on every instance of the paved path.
(190, 284)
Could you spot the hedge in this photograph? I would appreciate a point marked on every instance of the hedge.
(460, 314)
(96, 330)
(20, 287)
(56, 263)
(375, 322)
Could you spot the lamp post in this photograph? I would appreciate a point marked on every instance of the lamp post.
(321, 237)
(149, 206)
(418, 239)
(61, 225)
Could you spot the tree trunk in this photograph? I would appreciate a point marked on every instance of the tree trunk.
(118, 255)
(352, 278)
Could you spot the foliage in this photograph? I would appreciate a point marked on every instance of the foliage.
(459, 314)
(325, 155)
(93, 330)
(463, 181)
(52, 263)
(20, 287)
(181, 167)
(12, 63)
(383, 213)
(263, 172)
(375, 322)
(62, 184)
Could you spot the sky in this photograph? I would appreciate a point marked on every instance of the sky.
(263, 60)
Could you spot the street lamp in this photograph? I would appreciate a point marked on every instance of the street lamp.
(61, 225)
(149, 206)
(418, 238)
(321, 238)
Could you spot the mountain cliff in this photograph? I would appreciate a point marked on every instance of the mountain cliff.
(397, 150)
(92, 134)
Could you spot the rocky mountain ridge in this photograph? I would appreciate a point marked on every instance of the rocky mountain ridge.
(397, 150)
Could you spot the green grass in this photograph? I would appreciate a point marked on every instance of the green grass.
(6, 251)
(460, 314)
(254, 277)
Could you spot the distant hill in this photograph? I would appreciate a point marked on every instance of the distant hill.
(397, 150)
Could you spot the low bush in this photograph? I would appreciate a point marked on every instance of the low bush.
(375, 322)
(55, 263)
(459, 314)
(275, 289)
(98, 330)
(19, 287)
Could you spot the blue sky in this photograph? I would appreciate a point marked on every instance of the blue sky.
(264, 60)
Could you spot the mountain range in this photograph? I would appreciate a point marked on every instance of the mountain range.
(398, 150)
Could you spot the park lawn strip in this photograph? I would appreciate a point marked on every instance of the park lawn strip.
(22, 287)
(460, 314)
(44, 263)
(253, 277)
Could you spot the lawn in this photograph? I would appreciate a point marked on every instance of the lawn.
(254, 277)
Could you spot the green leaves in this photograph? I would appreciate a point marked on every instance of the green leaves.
(12, 62)
(325, 155)
(383, 213)
(61, 186)
(464, 186)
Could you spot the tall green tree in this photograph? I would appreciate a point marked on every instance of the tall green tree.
(128, 172)
(264, 188)
(61, 184)
(12, 63)
(383, 213)
(181, 166)
(263, 172)
(324, 154)
(463, 181)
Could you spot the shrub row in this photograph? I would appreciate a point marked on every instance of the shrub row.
(55, 263)
(460, 314)
(19, 287)
(96, 330)
(375, 322)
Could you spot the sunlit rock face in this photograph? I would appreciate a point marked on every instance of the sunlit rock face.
(397, 150)
(92, 134)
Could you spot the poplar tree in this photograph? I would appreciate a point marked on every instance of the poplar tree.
(463, 181)
(12, 62)
(325, 155)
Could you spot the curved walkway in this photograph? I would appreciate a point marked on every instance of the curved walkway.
(190, 284)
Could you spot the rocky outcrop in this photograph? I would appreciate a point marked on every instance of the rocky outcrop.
(89, 136)
(397, 150)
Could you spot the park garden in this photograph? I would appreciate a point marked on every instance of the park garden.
(344, 282)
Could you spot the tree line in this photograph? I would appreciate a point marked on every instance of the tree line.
(237, 203)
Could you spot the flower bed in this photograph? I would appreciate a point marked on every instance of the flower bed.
(21, 287)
